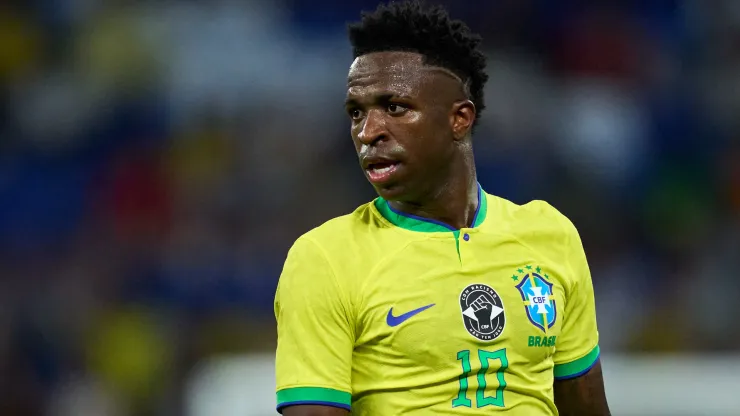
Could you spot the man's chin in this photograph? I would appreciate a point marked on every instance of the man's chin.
(390, 192)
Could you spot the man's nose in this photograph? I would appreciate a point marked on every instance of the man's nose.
(373, 128)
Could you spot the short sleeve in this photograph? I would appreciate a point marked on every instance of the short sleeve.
(315, 331)
(577, 347)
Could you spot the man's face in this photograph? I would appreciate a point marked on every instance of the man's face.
(402, 122)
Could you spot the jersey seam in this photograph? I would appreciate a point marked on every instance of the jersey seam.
(335, 280)
(528, 246)
(520, 241)
(383, 260)
(568, 263)
(300, 386)
(575, 286)
(588, 351)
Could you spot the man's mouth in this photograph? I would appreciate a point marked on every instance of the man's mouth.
(382, 171)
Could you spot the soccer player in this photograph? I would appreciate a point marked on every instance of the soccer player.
(436, 297)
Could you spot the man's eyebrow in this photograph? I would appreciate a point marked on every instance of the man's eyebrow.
(379, 98)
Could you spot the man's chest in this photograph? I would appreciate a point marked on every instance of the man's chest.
(436, 309)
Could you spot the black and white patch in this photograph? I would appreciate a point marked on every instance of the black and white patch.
(482, 311)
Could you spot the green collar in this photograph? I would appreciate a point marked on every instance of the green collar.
(426, 225)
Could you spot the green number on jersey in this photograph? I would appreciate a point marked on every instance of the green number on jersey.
(461, 399)
(480, 397)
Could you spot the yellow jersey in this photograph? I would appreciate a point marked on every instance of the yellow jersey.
(386, 313)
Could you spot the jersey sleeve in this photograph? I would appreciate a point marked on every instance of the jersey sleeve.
(577, 347)
(315, 331)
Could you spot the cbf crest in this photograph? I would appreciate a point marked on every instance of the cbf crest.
(537, 296)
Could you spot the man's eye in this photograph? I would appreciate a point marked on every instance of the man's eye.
(355, 114)
(396, 109)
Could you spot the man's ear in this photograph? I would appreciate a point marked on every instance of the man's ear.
(462, 118)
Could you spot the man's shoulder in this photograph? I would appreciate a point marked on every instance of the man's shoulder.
(360, 218)
(534, 217)
(346, 233)
(545, 230)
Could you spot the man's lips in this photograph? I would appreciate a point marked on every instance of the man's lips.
(381, 172)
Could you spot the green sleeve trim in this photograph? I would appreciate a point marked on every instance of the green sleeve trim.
(313, 395)
(578, 367)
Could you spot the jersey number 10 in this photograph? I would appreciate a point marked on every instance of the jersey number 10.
(481, 399)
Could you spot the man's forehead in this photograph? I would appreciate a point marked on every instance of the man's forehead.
(389, 62)
(400, 73)
(396, 68)
(385, 73)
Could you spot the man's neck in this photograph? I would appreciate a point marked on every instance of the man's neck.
(454, 204)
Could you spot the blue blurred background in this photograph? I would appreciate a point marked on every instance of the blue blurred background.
(157, 160)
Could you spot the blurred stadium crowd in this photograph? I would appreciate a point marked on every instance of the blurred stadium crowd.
(157, 159)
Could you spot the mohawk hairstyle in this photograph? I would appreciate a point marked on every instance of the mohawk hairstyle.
(409, 27)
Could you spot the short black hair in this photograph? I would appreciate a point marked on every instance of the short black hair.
(410, 27)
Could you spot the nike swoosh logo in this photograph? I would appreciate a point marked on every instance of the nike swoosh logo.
(398, 320)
